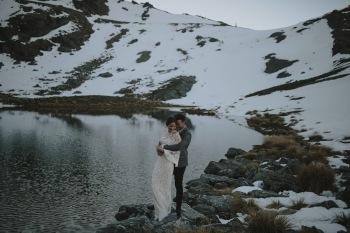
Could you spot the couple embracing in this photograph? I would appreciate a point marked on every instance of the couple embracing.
(172, 160)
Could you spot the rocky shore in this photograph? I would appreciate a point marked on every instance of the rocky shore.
(212, 203)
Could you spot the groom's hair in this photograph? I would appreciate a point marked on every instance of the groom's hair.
(180, 117)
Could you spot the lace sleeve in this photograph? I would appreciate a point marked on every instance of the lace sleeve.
(170, 139)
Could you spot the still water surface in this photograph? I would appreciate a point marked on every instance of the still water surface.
(71, 173)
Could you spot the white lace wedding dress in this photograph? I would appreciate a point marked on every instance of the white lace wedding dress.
(162, 176)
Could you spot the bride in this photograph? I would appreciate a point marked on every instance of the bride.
(163, 171)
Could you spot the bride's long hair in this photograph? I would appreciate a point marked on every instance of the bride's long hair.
(170, 120)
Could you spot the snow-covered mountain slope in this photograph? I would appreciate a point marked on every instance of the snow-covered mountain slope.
(118, 47)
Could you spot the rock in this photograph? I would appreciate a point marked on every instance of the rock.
(326, 204)
(175, 88)
(220, 203)
(312, 229)
(233, 152)
(140, 218)
(274, 181)
(345, 195)
(263, 194)
(201, 189)
(205, 209)
(140, 224)
(92, 7)
(128, 211)
(105, 75)
(229, 168)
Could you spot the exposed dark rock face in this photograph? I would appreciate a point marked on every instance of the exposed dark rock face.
(339, 21)
(278, 36)
(92, 7)
(38, 23)
(331, 75)
(174, 88)
(144, 56)
(274, 64)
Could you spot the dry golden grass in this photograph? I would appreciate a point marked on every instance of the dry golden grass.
(223, 191)
(343, 219)
(275, 204)
(267, 222)
(252, 165)
(298, 204)
(317, 153)
(251, 206)
(316, 137)
(280, 142)
(239, 204)
(316, 177)
(273, 152)
(295, 151)
(250, 155)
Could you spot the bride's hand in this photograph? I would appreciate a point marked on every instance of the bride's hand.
(160, 150)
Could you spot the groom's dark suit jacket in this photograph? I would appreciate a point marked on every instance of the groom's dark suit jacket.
(182, 147)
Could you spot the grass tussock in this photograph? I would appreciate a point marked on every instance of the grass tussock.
(285, 146)
(250, 156)
(317, 153)
(267, 222)
(252, 165)
(315, 137)
(291, 146)
(343, 219)
(223, 191)
(275, 204)
(298, 204)
(240, 205)
(273, 152)
(295, 151)
(316, 177)
(280, 142)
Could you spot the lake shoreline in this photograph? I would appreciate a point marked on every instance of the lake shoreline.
(94, 105)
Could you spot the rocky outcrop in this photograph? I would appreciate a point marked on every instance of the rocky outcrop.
(16, 36)
(175, 88)
(339, 21)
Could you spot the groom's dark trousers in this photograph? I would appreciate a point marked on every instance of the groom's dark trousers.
(179, 175)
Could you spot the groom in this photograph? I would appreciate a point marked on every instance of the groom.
(183, 160)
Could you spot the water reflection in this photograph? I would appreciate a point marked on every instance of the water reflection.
(68, 173)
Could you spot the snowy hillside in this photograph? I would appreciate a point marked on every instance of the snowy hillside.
(121, 48)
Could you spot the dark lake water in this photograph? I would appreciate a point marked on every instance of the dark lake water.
(71, 173)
